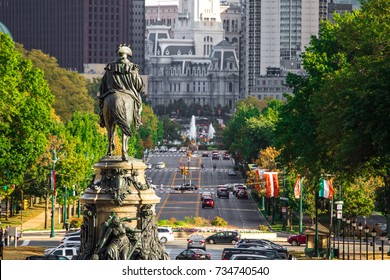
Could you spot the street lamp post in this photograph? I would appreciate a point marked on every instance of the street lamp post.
(343, 224)
(53, 189)
(353, 237)
(366, 230)
(348, 229)
(373, 234)
(383, 238)
(65, 207)
(360, 228)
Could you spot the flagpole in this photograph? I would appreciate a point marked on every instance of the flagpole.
(300, 208)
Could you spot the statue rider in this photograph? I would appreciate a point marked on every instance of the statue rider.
(122, 75)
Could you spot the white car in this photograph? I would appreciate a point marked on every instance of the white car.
(173, 150)
(165, 234)
(71, 239)
(160, 165)
(48, 251)
(66, 252)
(206, 195)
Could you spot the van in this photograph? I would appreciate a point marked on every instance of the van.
(271, 254)
(165, 234)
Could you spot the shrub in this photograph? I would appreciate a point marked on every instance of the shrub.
(75, 222)
(219, 222)
(172, 220)
(263, 228)
(200, 221)
(163, 223)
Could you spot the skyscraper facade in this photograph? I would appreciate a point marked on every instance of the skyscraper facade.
(274, 35)
(77, 32)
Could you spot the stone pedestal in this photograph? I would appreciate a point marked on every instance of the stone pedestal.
(119, 213)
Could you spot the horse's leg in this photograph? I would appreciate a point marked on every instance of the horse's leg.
(111, 139)
(125, 140)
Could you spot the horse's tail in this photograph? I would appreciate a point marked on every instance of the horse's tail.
(120, 116)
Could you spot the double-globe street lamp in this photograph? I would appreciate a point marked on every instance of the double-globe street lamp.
(360, 228)
(353, 237)
(366, 230)
(348, 229)
(373, 234)
(343, 220)
(383, 239)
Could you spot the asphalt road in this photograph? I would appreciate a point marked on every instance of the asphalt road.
(240, 213)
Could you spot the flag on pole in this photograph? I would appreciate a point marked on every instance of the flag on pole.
(326, 188)
(271, 184)
(298, 187)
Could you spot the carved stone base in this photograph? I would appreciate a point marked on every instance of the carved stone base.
(119, 213)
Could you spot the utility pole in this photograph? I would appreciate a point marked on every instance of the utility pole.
(53, 189)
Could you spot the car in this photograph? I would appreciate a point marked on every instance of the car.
(238, 187)
(281, 251)
(206, 195)
(222, 192)
(163, 149)
(297, 239)
(48, 251)
(193, 254)
(232, 172)
(196, 241)
(149, 166)
(183, 149)
(68, 252)
(172, 150)
(271, 254)
(208, 202)
(242, 194)
(226, 156)
(205, 154)
(227, 237)
(71, 239)
(249, 257)
(160, 165)
(165, 234)
(49, 257)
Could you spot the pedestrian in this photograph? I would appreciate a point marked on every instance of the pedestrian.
(6, 236)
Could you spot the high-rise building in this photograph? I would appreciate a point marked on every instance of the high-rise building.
(77, 32)
(274, 36)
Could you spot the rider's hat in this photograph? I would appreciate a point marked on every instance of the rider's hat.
(124, 49)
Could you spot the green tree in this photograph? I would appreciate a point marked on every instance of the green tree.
(25, 106)
(69, 88)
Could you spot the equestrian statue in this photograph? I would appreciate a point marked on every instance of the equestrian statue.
(120, 100)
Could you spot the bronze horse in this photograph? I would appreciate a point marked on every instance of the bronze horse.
(118, 109)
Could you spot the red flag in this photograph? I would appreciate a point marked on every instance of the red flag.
(271, 184)
(297, 187)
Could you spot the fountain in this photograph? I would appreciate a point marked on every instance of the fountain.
(211, 132)
(192, 134)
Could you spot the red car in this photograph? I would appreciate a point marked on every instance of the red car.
(208, 202)
(297, 239)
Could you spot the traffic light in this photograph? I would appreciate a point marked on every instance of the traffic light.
(25, 204)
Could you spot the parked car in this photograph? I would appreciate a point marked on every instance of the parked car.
(208, 202)
(183, 149)
(149, 166)
(206, 195)
(232, 172)
(163, 149)
(271, 254)
(242, 194)
(71, 239)
(222, 192)
(196, 241)
(229, 236)
(205, 154)
(249, 257)
(280, 250)
(226, 156)
(165, 234)
(193, 254)
(160, 165)
(297, 239)
(173, 150)
(48, 251)
(49, 257)
(66, 252)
